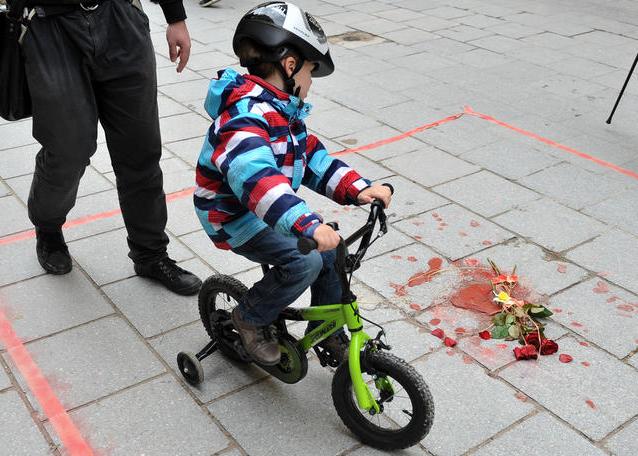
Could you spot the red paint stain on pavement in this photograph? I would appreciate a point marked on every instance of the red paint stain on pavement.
(468, 359)
(399, 290)
(459, 330)
(422, 277)
(557, 310)
(585, 363)
(462, 233)
(396, 257)
(591, 404)
(412, 259)
(583, 343)
(471, 262)
(418, 238)
(576, 324)
(612, 299)
(601, 288)
(625, 307)
(435, 214)
(501, 346)
(417, 222)
(435, 322)
(74, 443)
(562, 268)
(415, 306)
(477, 296)
(521, 396)
(486, 242)
(474, 224)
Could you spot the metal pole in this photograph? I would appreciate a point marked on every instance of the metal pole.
(623, 89)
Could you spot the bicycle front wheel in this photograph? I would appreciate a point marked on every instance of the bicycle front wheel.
(407, 407)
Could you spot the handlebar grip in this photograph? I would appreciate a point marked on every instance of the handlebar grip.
(306, 245)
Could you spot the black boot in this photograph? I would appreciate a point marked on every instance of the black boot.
(170, 275)
(53, 254)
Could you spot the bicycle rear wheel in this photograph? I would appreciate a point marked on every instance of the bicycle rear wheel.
(407, 406)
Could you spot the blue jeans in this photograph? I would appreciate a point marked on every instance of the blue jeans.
(290, 275)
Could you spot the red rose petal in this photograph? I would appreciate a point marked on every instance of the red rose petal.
(548, 347)
(591, 404)
(435, 322)
(565, 358)
(485, 335)
(459, 330)
(525, 352)
(438, 332)
(449, 342)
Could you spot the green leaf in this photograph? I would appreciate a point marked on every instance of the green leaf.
(499, 319)
(541, 312)
(514, 331)
(500, 332)
(510, 319)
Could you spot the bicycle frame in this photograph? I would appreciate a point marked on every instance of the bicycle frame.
(334, 317)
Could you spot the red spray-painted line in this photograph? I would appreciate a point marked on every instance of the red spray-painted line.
(469, 111)
(30, 234)
(396, 138)
(51, 406)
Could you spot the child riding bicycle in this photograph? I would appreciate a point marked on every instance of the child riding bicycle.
(256, 156)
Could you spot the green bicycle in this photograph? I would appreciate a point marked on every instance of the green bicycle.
(382, 399)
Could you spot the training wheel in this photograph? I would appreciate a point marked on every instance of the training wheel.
(190, 367)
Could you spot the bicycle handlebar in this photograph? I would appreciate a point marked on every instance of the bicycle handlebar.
(306, 245)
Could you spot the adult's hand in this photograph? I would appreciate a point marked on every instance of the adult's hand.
(179, 43)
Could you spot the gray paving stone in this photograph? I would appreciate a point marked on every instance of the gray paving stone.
(544, 222)
(168, 107)
(187, 149)
(161, 418)
(255, 414)
(557, 439)
(618, 211)
(18, 261)
(486, 193)
(554, 181)
(408, 36)
(15, 134)
(166, 76)
(536, 270)
(429, 166)
(390, 274)
(496, 43)
(340, 121)
(408, 341)
(625, 442)
(5, 382)
(18, 161)
(19, 435)
(150, 307)
(373, 135)
(366, 167)
(458, 406)
(183, 126)
(367, 451)
(550, 40)
(81, 221)
(184, 92)
(91, 361)
(105, 256)
(223, 261)
(600, 312)
(14, 216)
(410, 199)
(614, 255)
(584, 396)
(461, 135)
(48, 304)
(221, 375)
(458, 233)
(4, 189)
(181, 217)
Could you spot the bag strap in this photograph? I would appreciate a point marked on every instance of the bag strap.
(15, 9)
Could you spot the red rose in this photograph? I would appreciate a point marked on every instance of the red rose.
(548, 347)
(532, 339)
(438, 332)
(525, 352)
(449, 342)
(485, 335)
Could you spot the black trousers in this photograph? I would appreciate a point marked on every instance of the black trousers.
(88, 65)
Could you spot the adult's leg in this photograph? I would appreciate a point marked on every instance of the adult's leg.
(64, 114)
(126, 93)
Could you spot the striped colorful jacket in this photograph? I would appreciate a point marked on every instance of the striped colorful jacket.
(256, 155)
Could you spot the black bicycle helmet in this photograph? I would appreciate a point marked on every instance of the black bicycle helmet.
(281, 26)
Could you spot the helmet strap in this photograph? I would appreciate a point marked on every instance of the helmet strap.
(289, 81)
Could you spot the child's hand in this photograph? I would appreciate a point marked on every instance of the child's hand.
(326, 237)
(373, 192)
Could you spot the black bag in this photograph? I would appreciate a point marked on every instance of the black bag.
(15, 100)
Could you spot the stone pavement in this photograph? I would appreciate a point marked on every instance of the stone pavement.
(467, 190)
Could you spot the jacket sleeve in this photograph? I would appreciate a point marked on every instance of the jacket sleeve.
(173, 10)
(329, 176)
(244, 156)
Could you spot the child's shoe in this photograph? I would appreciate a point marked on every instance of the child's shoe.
(257, 341)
